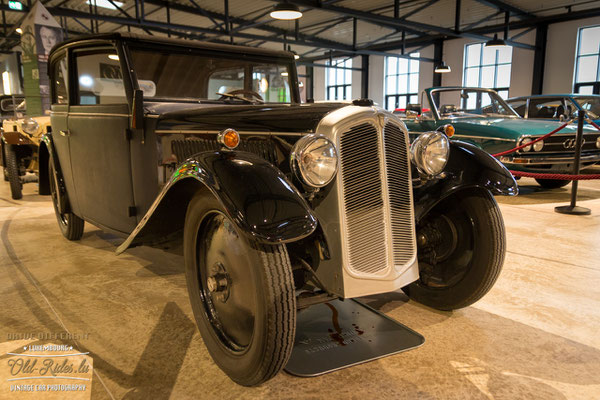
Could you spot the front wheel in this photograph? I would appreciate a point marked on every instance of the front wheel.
(552, 183)
(71, 226)
(461, 251)
(12, 171)
(241, 292)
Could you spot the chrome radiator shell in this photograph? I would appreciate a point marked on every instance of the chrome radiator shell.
(372, 201)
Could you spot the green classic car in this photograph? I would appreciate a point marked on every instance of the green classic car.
(481, 117)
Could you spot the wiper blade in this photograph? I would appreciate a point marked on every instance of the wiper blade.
(235, 96)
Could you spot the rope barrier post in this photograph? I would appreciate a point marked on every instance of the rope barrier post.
(573, 209)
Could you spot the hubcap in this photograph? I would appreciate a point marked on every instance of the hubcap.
(226, 281)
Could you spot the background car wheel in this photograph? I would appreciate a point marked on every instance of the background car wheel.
(12, 170)
(552, 183)
(242, 294)
(70, 224)
(461, 251)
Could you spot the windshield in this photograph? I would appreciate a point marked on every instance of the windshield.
(591, 105)
(170, 76)
(9, 105)
(469, 103)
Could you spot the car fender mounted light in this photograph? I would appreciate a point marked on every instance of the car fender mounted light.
(430, 152)
(229, 138)
(448, 129)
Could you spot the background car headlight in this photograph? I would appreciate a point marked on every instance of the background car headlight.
(314, 160)
(30, 126)
(525, 141)
(598, 142)
(538, 146)
(430, 152)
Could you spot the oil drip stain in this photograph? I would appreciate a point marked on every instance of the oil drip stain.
(337, 336)
(357, 329)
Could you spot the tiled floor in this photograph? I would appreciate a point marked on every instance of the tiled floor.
(534, 336)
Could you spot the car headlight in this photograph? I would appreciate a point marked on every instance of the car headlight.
(314, 160)
(430, 152)
(538, 146)
(30, 126)
(598, 142)
(525, 141)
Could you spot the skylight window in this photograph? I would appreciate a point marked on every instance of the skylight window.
(104, 4)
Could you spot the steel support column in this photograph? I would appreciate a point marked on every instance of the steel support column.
(539, 59)
(310, 82)
(364, 77)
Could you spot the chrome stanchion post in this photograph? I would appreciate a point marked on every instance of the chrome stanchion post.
(572, 208)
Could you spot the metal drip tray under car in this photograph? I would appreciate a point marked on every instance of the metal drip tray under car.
(340, 334)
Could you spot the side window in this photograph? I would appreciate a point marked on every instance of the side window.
(99, 78)
(519, 106)
(60, 89)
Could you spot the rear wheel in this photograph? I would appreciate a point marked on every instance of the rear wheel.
(12, 171)
(242, 294)
(552, 183)
(461, 251)
(70, 224)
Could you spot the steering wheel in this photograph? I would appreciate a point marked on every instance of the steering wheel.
(236, 94)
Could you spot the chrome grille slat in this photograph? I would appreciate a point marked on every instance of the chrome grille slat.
(378, 220)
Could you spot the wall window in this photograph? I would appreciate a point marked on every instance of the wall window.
(339, 80)
(587, 68)
(488, 67)
(401, 82)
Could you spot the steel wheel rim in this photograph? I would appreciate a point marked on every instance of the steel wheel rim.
(55, 199)
(221, 253)
(453, 267)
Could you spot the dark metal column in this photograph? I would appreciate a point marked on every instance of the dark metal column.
(539, 59)
(438, 56)
(364, 77)
(310, 73)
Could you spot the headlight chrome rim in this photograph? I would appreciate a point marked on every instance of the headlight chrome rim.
(30, 126)
(298, 158)
(418, 153)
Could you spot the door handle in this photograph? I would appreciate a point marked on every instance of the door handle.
(64, 133)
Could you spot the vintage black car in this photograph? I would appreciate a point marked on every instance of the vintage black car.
(205, 149)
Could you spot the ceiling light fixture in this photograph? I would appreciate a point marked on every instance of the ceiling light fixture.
(285, 11)
(442, 68)
(19, 31)
(495, 42)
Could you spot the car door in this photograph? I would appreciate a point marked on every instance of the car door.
(58, 119)
(98, 123)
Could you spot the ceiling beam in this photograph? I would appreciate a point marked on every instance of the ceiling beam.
(501, 5)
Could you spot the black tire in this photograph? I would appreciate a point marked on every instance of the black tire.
(70, 224)
(250, 343)
(552, 183)
(469, 253)
(12, 170)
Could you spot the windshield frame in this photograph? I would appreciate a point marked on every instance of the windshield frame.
(433, 106)
(576, 99)
(285, 62)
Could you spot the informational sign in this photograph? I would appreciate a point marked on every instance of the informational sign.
(40, 33)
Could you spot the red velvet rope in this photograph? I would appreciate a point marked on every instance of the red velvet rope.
(564, 177)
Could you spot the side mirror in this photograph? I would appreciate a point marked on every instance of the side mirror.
(137, 110)
(411, 114)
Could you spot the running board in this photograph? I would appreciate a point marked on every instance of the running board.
(339, 334)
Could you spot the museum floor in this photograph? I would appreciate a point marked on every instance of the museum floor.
(534, 336)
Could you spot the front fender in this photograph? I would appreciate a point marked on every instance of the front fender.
(256, 196)
(468, 167)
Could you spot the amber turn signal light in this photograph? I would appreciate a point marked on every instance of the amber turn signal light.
(449, 130)
(229, 138)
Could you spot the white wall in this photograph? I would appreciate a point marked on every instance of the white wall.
(560, 54)
(521, 75)
(9, 63)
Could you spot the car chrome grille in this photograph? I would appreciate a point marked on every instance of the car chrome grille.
(376, 196)
(184, 149)
(399, 188)
(565, 144)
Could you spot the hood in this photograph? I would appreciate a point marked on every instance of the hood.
(512, 128)
(300, 118)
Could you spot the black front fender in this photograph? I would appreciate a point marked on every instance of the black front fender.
(256, 196)
(468, 167)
